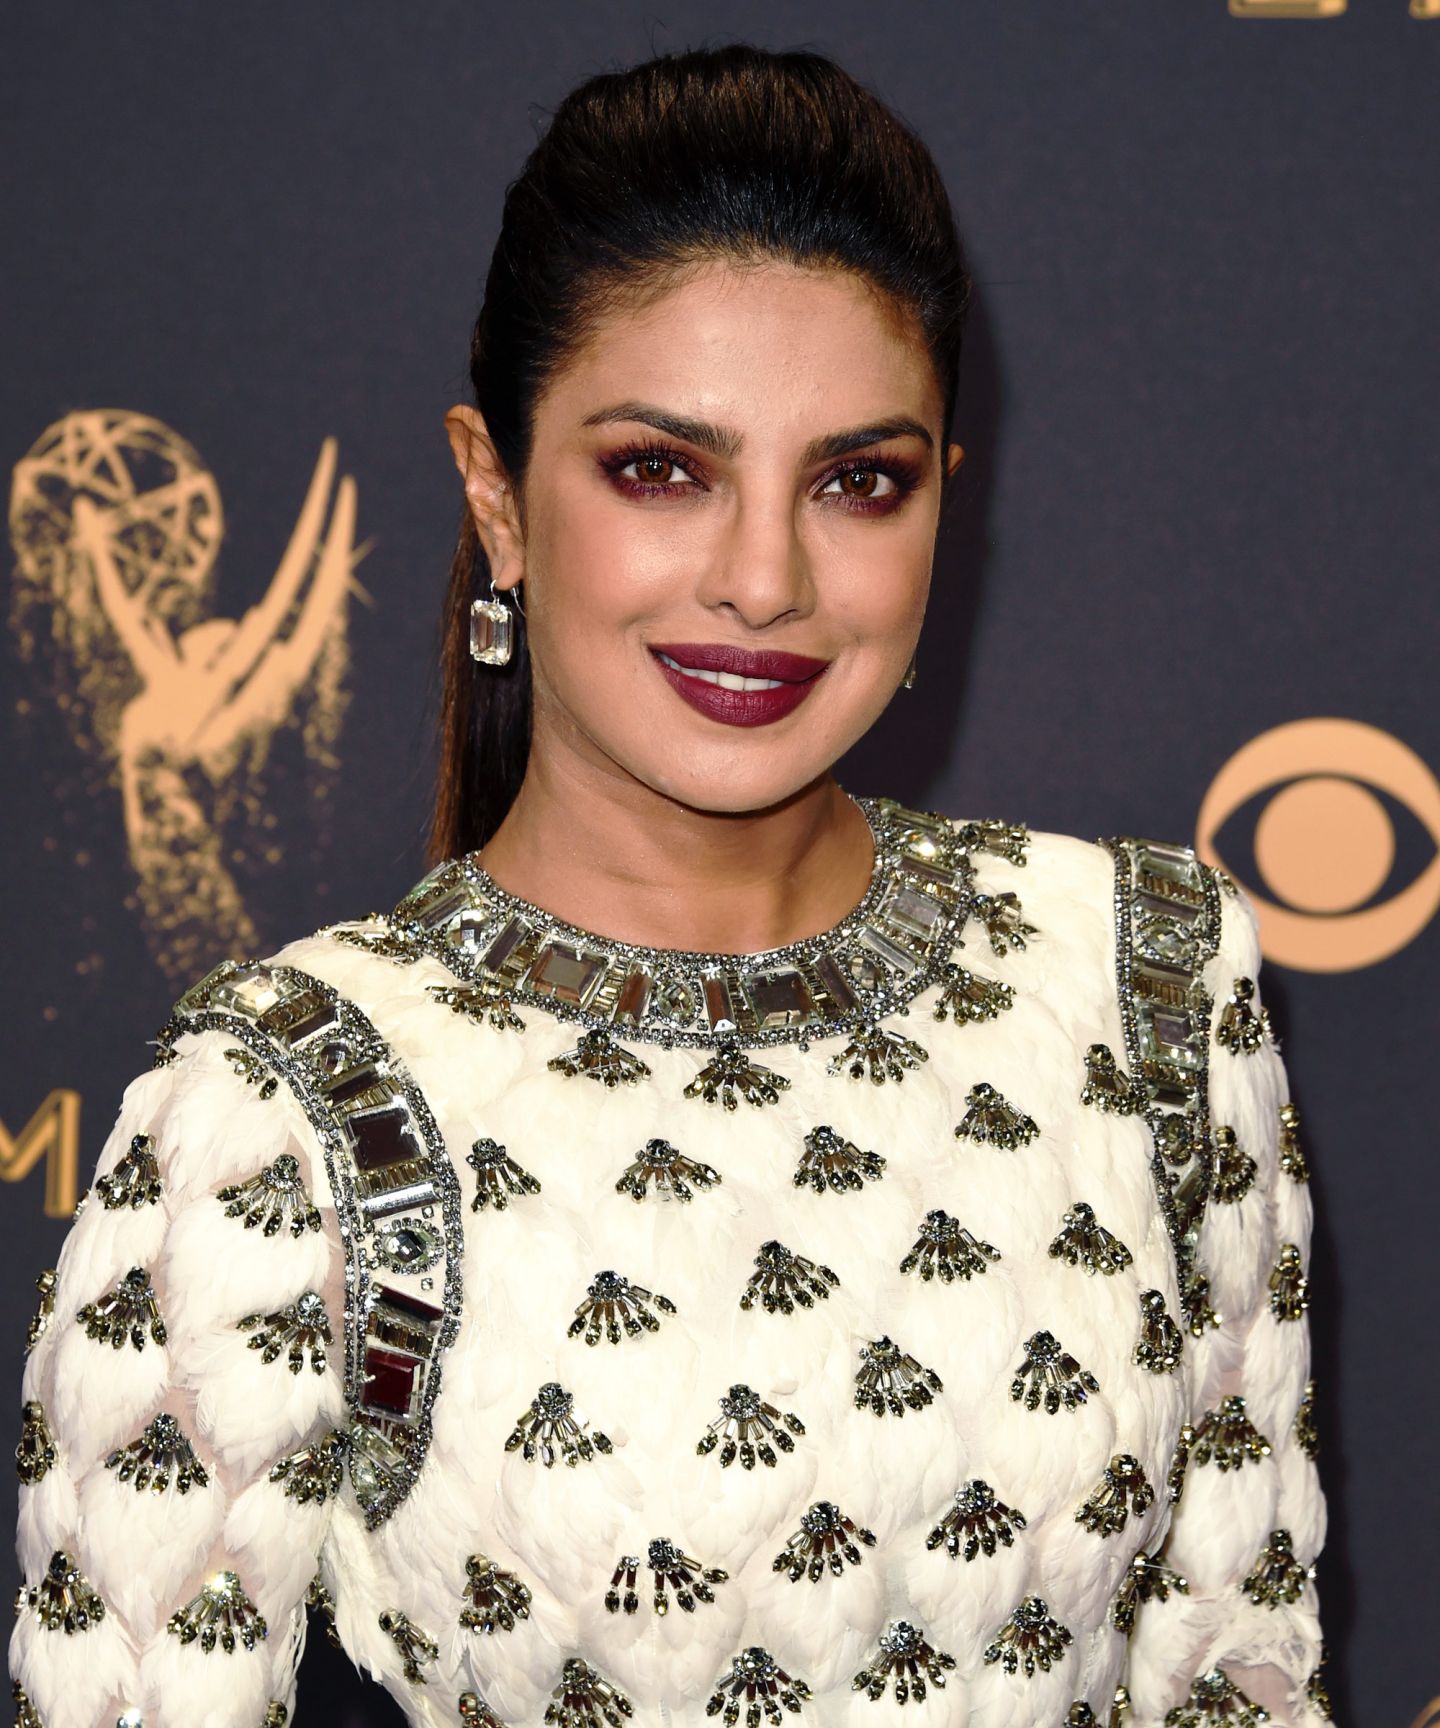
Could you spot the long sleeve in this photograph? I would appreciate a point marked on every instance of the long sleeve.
(179, 1455)
(1250, 1518)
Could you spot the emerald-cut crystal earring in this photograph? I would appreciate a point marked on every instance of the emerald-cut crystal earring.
(908, 681)
(490, 630)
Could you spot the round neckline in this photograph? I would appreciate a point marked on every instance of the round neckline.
(693, 959)
(893, 943)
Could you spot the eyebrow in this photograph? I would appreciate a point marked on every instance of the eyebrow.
(723, 442)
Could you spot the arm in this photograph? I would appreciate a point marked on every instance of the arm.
(1250, 1519)
(176, 1487)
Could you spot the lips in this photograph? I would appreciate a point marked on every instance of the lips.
(793, 677)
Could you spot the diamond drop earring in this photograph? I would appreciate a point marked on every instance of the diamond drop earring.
(492, 630)
(492, 633)
(908, 681)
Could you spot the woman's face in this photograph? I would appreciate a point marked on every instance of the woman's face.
(750, 464)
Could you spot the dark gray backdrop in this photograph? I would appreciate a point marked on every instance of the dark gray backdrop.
(1199, 402)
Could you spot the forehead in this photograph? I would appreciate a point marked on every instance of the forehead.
(771, 346)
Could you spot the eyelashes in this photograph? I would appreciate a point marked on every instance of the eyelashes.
(905, 476)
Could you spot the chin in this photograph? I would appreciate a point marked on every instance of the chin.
(730, 788)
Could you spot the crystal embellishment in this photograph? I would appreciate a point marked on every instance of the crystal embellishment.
(783, 1280)
(1277, 1576)
(597, 1056)
(891, 947)
(397, 1202)
(64, 1600)
(313, 1474)
(1234, 1167)
(751, 1430)
(977, 1523)
(220, 1616)
(1049, 1374)
(758, 1681)
(1031, 1638)
(158, 1456)
(1292, 1152)
(499, 1179)
(495, 1600)
(825, 1542)
(731, 1075)
(134, 1180)
(130, 1311)
(1227, 1437)
(1108, 1087)
(670, 1569)
(1004, 922)
(1242, 1029)
(945, 1249)
(272, 1200)
(673, 1175)
(552, 1428)
(1159, 1346)
(831, 1161)
(1146, 1579)
(889, 1382)
(905, 1663)
(35, 1452)
(586, 1699)
(1123, 1489)
(1289, 1287)
(482, 1004)
(45, 1309)
(1085, 1242)
(992, 1120)
(969, 999)
(1215, 1701)
(297, 1327)
(614, 1308)
(414, 1645)
(877, 1054)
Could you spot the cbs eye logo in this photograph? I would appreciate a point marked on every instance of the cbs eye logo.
(1324, 843)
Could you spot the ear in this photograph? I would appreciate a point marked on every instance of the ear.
(954, 456)
(488, 493)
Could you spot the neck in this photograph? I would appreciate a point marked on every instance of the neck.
(608, 854)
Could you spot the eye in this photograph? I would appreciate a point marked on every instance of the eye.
(862, 480)
(655, 468)
(1347, 812)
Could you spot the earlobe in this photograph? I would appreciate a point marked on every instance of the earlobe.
(955, 455)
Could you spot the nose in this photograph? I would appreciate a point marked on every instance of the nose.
(760, 569)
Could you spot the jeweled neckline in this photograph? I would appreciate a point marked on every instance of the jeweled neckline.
(888, 948)
(693, 957)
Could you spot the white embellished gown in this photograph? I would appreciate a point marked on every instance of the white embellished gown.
(908, 1325)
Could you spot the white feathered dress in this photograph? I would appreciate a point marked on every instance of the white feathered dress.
(907, 1326)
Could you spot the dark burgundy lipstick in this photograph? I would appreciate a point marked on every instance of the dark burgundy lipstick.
(791, 678)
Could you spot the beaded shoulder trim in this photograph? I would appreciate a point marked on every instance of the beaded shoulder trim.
(891, 946)
(1167, 926)
(396, 1194)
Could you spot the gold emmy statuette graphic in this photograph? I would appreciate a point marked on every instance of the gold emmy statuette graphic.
(1429, 1717)
(52, 1133)
(1324, 843)
(117, 525)
(1425, 8)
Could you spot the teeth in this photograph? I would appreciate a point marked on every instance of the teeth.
(726, 680)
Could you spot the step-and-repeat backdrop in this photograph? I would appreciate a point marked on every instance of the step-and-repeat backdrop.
(1192, 589)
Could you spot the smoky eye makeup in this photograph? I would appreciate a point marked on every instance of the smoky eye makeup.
(904, 475)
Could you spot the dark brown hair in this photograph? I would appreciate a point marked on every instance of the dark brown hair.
(725, 153)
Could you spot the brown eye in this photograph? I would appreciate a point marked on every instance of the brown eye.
(655, 469)
(861, 483)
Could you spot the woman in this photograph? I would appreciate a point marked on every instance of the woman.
(719, 1246)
